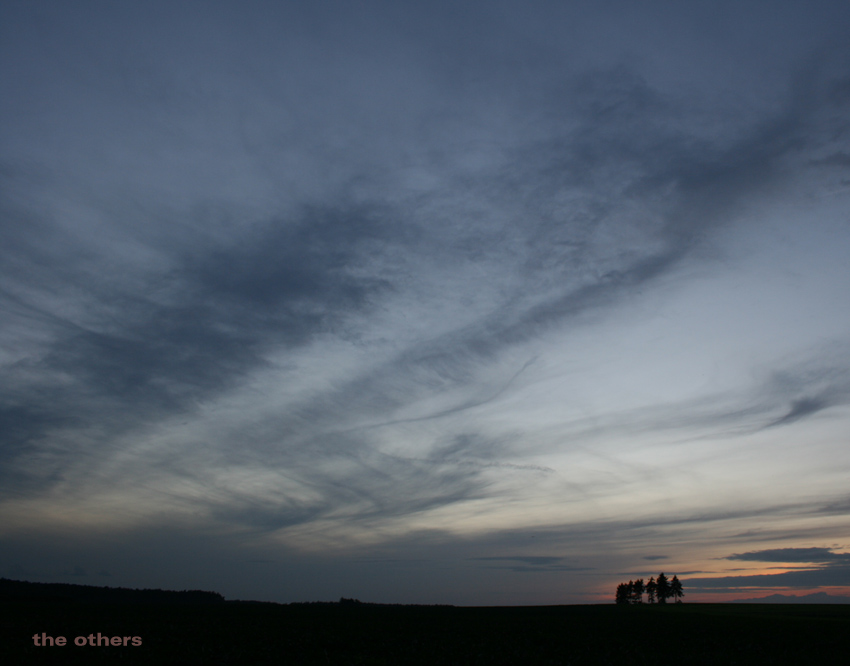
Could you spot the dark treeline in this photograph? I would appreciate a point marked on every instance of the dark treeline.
(657, 590)
(356, 603)
(18, 590)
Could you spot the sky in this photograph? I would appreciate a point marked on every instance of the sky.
(474, 303)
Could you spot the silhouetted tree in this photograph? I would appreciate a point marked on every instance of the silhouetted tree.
(348, 602)
(658, 590)
(662, 588)
(676, 589)
(650, 590)
(637, 591)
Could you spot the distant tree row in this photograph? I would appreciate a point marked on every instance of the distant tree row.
(20, 590)
(657, 590)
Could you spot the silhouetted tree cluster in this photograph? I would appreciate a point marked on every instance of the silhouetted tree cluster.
(657, 590)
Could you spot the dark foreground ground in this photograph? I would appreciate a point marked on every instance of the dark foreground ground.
(248, 633)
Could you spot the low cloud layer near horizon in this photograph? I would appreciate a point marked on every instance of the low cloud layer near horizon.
(425, 302)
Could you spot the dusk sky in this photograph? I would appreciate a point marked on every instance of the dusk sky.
(469, 302)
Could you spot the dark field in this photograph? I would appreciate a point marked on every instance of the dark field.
(248, 633)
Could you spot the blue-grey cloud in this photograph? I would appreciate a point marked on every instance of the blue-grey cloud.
(814, 598)
(791, 555)
(831, 569)
(827, 576)
(800, 409)
(531, 564)
(836, 159)
(525, 559)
